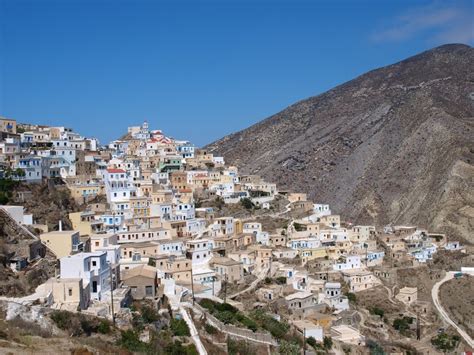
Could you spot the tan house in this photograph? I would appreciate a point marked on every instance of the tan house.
(300, 300)
(332, 220)
(142, 280)
(407, 295)
(295, 197)
(70, 293)
(360, 280)
(226, 267)
(269, 293)
(62, 243)
(7, 125)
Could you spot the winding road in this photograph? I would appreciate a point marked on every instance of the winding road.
(442, 311)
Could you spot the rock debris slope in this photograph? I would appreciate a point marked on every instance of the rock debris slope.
(395, 145)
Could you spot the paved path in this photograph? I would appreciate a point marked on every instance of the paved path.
(254, 284)
(443, 313)
(192, 329)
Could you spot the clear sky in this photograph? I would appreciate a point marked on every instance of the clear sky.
(200, 69)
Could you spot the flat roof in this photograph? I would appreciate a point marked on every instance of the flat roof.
(298, 295)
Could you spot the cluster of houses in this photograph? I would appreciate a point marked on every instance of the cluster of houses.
(142, 234)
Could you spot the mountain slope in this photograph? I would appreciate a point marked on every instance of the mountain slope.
(394, 145)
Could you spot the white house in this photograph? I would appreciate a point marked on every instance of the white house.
(92, 268)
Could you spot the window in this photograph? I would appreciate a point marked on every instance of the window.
(94, 263)
(69, 291)
(149, 290)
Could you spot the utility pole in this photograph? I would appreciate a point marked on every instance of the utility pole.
(418, 326)
(192, 284)
(304, 341)
(112, 294)
(225, 287)
(213, 279)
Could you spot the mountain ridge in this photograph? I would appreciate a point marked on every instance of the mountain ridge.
(381, 148)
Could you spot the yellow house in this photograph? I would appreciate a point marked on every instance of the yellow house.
(311, 254)
(83, 193)
(85, 223)
(238, 226)
(62, 243)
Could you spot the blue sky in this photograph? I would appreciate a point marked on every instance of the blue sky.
(200, 69)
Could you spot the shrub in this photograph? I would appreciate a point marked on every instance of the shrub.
(246, 203)
(210, 329)
(177, 348)
(104, 327)
(208, 304)
(276, 328)
(249, 323)
(68, 321)
(179, 327)
(375, 348)
(445, 343)
(268, 280)
(281, 280)
(351, 297)
(311, 341)
(289, 348)
(402, 324)
(130, 340)
(225, 317)
(377, 311)
(327, 343)
(149, 314)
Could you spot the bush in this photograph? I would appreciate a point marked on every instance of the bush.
(246, 203)
(68, 321)
(281, 280)
(327, 343)
(289, 348)
(104, 327)
(403, 324)
(311, 341)
(351, 297)
(445, 343)
(377, 311)
(268, 280)
(149, 314)
(177, 348)
(208, 304)
(375, 348)
(210, 329)
(249, 323)
(225, 317)
(276, 328)
(130, 340)
(179, 327)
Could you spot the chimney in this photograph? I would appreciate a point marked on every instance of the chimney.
(60, 225)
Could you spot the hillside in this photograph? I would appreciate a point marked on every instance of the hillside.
(395, 145)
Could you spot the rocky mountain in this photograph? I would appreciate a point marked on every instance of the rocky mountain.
(395, 145)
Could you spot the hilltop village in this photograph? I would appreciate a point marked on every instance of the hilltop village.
(165, 237)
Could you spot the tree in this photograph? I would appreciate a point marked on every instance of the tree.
(327, 342)
(445, 343)
(247, 203)
(351, 297)
(311, 341)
